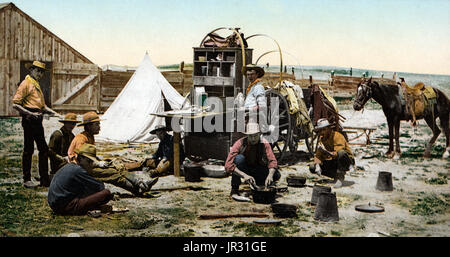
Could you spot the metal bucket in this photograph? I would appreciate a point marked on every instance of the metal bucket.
(316, 192)
(384, 181)
(327, 209)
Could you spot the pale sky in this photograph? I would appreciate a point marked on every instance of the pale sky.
(397, 35)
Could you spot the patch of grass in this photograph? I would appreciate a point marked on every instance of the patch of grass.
(261, 230)
(8, 164)
(25, 212)
(430, 205)
(335, 233)
(140, 222)
(436, 181)
(320, 234)
(7, 126)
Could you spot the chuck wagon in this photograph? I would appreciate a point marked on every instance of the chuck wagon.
(219, 73)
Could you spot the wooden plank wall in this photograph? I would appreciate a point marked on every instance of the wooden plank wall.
(345, 86)
(68, 75)
(23, 39)
(112, 82)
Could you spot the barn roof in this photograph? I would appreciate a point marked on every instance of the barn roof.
(4, 6)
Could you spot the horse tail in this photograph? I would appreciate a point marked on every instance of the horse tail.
(442, 99)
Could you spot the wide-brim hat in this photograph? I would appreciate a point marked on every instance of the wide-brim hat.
(36, 64)
(158, 128)
(90, 117)
(322, 123)
(260, 71)
(88, 151)
(70, 117)
(252, 128)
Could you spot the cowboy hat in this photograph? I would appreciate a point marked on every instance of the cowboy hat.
(259, 70)
(35, 64)
(70, 117)
(252, 128)
(322, 123)
(157, 128)
(89, 117)
(88, 151)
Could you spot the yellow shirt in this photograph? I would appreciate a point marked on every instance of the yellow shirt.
(29, 94)
(77, 142)
(334, 143)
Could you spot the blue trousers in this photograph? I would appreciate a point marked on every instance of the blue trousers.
(259, 172)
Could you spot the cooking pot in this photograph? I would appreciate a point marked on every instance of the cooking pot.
(264, 195)
(296, 181)
(192, 172)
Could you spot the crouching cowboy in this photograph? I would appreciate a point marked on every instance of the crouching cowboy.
(252, 159)
(73, 191)
(333, 156)
(161, 163)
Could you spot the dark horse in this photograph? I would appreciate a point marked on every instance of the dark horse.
(388, 96)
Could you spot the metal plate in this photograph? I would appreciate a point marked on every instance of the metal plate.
(214, 171)
(240, 198)
(369, 208)
(267, 221)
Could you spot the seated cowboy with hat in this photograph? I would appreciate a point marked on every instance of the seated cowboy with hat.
(114, 172)
(73, 191)
(30, 103)
(60, 141)
(252, 159)
(333, 156)
(161, 162)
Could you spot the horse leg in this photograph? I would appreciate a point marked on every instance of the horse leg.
(444, 118)
(431, 121)
(397, 138)
(390, 152)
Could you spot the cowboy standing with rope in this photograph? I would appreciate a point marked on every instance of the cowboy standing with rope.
(30, 103)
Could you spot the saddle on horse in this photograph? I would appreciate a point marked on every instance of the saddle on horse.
(418, 98)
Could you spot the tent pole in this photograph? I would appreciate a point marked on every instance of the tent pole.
(176, 153)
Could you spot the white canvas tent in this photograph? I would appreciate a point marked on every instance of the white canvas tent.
(128, 118)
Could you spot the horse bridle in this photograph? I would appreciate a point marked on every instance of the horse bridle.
(367, 94)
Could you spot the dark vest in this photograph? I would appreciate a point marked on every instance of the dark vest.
(261, 156)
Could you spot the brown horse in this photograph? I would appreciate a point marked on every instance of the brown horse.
(390, 99)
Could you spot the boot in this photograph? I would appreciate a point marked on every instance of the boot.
(339, 180)
(129, 186)
(147, 185)
(132, 184)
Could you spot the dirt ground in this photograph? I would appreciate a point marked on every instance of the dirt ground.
(419, 205)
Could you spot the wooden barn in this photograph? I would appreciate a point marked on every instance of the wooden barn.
(72, 82)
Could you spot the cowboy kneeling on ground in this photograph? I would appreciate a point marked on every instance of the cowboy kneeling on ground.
(252, 159)
(333, 156)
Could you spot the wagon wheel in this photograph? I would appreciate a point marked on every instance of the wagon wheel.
(311, 142)
(279, 121)
(300, 133)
